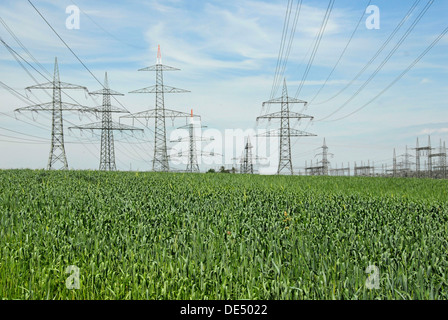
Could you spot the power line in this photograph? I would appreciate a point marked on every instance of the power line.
(316, 46)
(383, 63)
(104, 30)
(378, 52)
(282, 46)
(20, 96)
(291, 38)
(69, 49)
(23, 46)
(399, 77)
(342, 54)
(107, 127)
(285, 132)
(82, 63)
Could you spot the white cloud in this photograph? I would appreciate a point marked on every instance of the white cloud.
(432, 131)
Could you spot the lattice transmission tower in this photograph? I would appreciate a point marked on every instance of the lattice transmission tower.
(58, 158)
(285, 132)
(107, 126)
(247, 158)
(193, 139)
(159, 114)
(419, 153)
(323, 166)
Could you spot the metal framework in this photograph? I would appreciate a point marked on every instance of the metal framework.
(365, 170)
(192, 153)
(107, 127)
(440, 167)
(343, 171)
(285, 132)
(159, 114)
(247, 158)
(58, 158)
(324, 165)
(422, 151)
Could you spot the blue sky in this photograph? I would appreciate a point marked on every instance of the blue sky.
(227, 52)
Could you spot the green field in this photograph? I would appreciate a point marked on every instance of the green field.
(220, 236)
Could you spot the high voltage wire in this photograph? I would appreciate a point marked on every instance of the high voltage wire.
(25, 100)
(378, 52)
(337, 63)
(383, 63)
(342, 54)
(316, 46)
(283, 54)
(76, 56)
(28, 135)
(14, 53)
(398, 78)
(22, 46)
(381, 49)
(288, 51)
(283, 61)
(104, 30)
(72, 53)
(282, 46)
(444, 32)
(14, 92)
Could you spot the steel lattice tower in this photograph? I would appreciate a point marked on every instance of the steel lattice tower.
(420, 151)
(247, 166)
(107, 127)
(325, 162)
(285, 133)
(160, 161)
(58, 157)
(246, 160)
(192, 154)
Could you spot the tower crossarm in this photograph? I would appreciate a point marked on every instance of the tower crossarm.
(435, 155)
(100, 126)
(192, 126)
(58, 85)
(201, 154)
(187, 139)
(65, 106)
(288, 100)
(160, 89)
(292, 133)
(111, 109)
(281, 115)
(153, 114)
(106, 92)
(159, 67)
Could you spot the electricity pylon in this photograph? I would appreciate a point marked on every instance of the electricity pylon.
(107, 127)
(406, 163)
(440, 166)
(58, 157)
(160, 161)
(192, 154)
(246, 160)
(421, 151)
(285, 132)
(325, 162)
